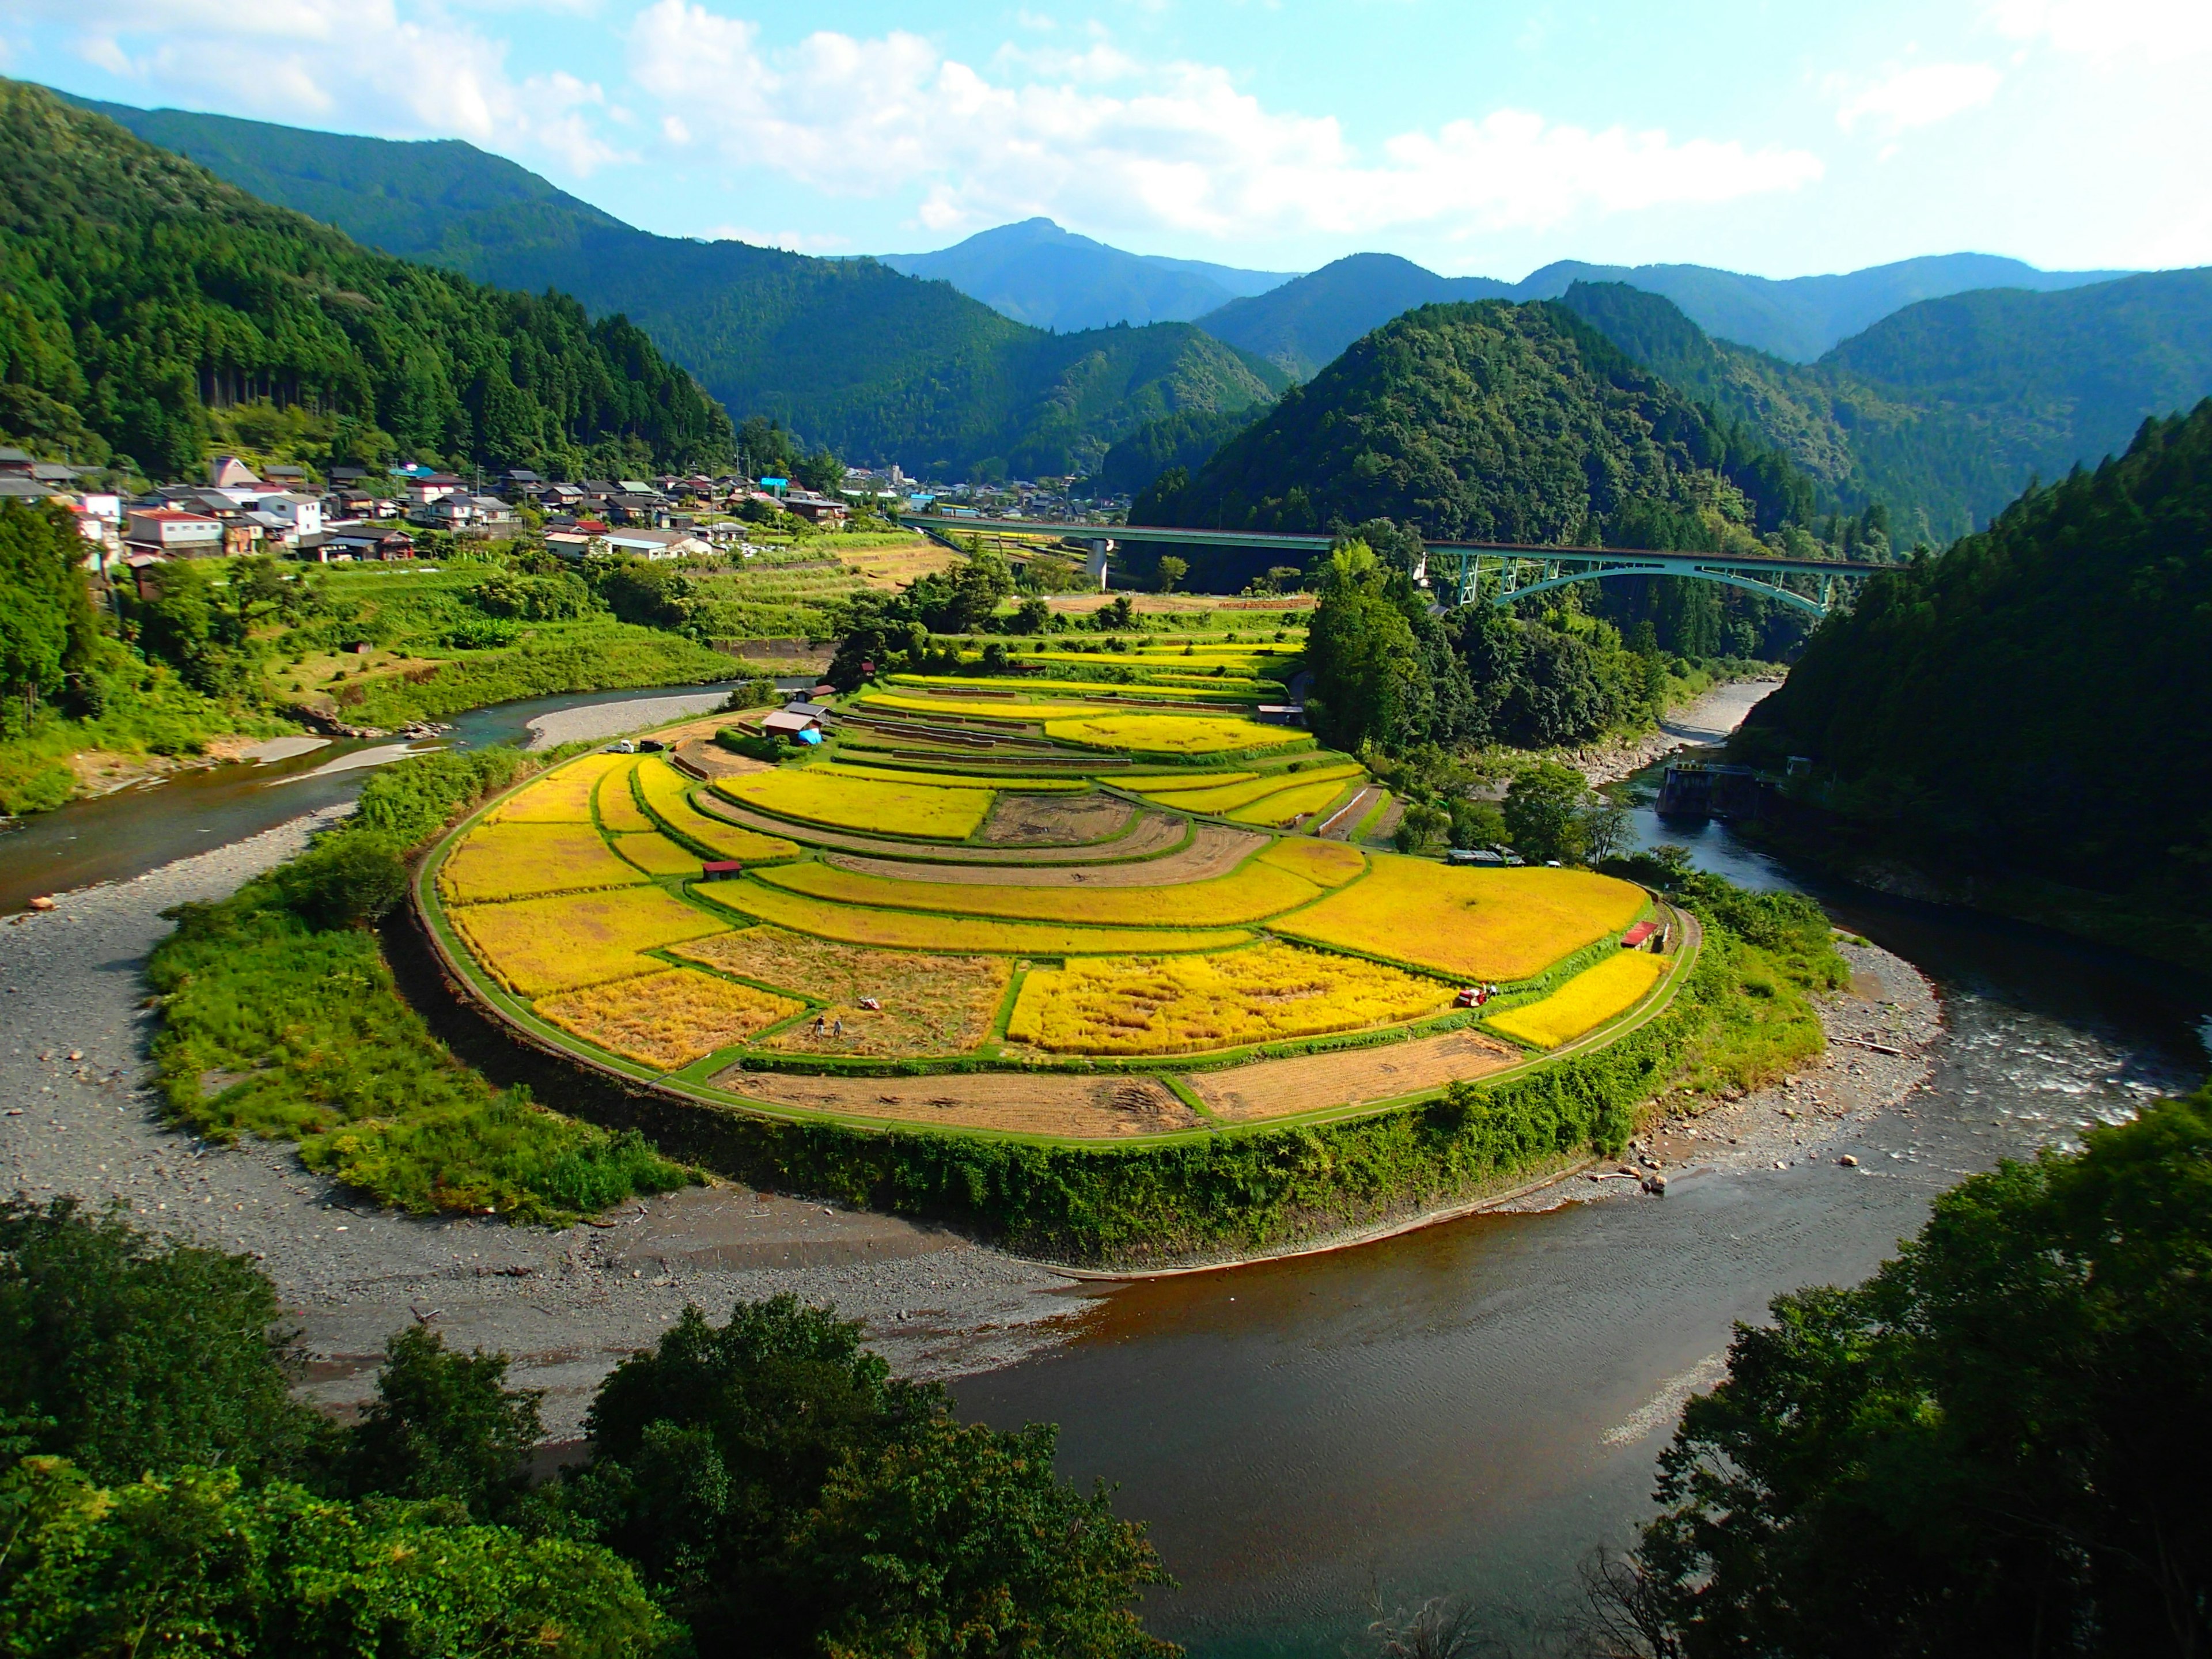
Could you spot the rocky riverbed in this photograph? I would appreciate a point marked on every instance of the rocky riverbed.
(82, 1119)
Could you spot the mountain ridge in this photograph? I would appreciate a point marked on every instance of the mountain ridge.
(1035, 272)
(879, 366)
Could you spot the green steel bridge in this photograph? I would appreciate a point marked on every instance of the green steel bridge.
(1513, 571)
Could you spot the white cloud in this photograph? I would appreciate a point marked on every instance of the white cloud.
(2108, 28)
(305, 61)
(1183, 148)
(1917, 96)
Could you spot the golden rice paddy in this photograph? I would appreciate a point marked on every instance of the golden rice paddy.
(562, 796)
(504, 860)
(819, 795)
(655, 853)
(1181, 1005)
(1484, 924)
(1585, 1002)
(577, 892)
(668, 1019)
(1288, 805)
(667, 796)
(914, 931)
(1172, 734)
(617, 807)
(1256, 891)
(536, 946)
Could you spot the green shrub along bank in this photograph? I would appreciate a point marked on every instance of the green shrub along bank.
(613, 657)
(763, 1488)
(281, 1019)
(1742, 1016)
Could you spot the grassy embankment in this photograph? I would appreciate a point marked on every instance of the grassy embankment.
(281, 1019)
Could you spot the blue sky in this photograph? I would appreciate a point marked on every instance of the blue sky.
(1472, 137)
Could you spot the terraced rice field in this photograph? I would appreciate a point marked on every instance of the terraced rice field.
(668, 799)
(819, 795)
(1042, 926)
(1501, 925)
(506, 860)
(534, 946)
(1185, 1005)
(669, 1019)
(1257, 891)
(913, 930)
(1585, 1002)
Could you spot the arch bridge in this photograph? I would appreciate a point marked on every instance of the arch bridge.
(1502, 571)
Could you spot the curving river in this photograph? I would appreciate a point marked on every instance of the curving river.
(1465, 1409)
(1468, 1409)
(113, 837)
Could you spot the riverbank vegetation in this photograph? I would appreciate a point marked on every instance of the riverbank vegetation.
(280, 1018)
(1987, 1448)
(1939, 739)
(761, 1487)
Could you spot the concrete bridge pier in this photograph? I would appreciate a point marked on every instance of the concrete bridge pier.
(1095, 567)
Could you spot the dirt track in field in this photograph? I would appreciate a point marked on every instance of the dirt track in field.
(1311, 1083)
(1214, 850)
(1091, 1108)
(1156, 832)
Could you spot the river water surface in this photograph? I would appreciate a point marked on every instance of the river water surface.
(1466, 1410)
(116, 836)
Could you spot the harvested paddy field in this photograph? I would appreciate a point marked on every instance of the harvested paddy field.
(1314, 1083)
(1055, 820)
(1012, 1103)
(929, 1004)
(1213, 850)
(1153, 833)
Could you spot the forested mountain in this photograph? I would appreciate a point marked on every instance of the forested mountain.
(1946, 410)
(2033, 701)
(844, 352)
(139, 291)
(1187, 441)
(1035, 272)
(1306, 321)
(1487, 422)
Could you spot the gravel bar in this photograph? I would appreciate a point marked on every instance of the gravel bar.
(82, 1118)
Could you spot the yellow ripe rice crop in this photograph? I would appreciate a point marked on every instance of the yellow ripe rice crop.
(618, 809)
(997, 708)
(667, 1019)
(819, 795)
(504, 861)
(1585, 1002)
(928, 1005)
(1286, 805)
(1206, 691)
(1158, 783)
(1171, 734)
(964, 935)
(952, 780)
(665, 791)
(561, 796)
(1227, 796)
(1330, 863)
(1484, 924)
(1177, 1004)
(534, 946)
(656, 855)
(1256, 891)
